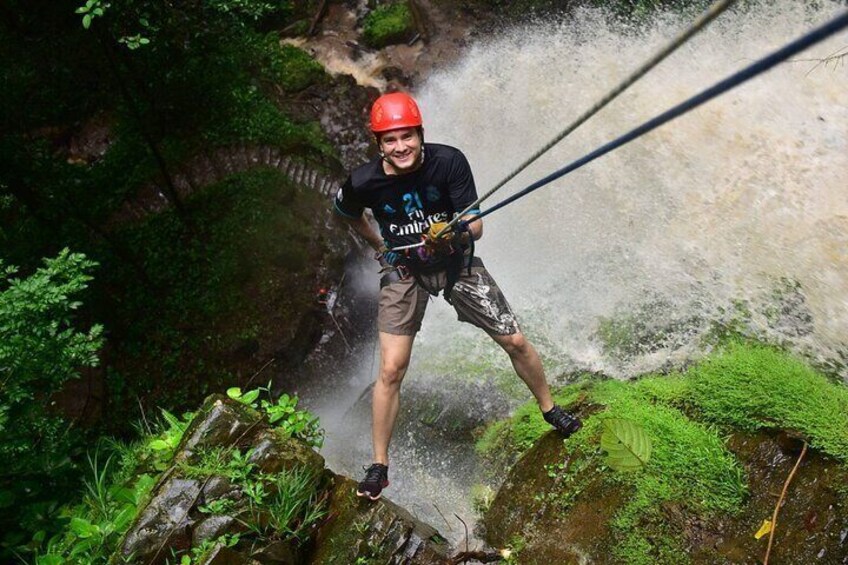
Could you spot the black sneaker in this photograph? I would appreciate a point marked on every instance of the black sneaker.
(376, 479)
(564, 422)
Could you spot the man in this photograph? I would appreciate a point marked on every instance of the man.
(413, 189)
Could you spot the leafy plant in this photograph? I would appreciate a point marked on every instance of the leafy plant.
(96, 524)
(627, 445)
(390, 23)
(283, 414)
(162, 446)
(40, 350)
(90, 10)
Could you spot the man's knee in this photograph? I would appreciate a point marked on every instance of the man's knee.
(514, 344)
(392, 372)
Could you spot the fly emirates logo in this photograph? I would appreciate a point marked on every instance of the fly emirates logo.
(418, 224)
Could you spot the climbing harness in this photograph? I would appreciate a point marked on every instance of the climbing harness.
(749, 72)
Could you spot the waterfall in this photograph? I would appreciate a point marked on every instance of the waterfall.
(739, 208)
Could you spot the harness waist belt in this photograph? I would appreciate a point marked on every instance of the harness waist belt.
(395, 275)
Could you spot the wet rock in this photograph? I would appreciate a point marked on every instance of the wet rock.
(812, 525)
(374, 532)
(396, 76)
(212, 527)
(814, 513)
(164, 524)
(221, 555)
(217, 488)
(221, 422)
(272, 453)
(279, 552)
(528, 506)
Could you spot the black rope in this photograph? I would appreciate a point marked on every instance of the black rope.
(732, 81)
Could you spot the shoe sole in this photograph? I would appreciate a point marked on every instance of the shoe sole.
(368, 496)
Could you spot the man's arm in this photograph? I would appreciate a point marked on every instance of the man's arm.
(363, 227)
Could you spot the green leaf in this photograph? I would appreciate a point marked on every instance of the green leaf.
(50, 560)
(124, 517)
(122, 494)
(159, 445)
(249, 397)
(82, 528)
(627, 445)
(86, 21)
(234, 393)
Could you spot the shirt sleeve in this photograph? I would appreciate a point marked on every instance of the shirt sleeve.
(347, 203)
(462, 190)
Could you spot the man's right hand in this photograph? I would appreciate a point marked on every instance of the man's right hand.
(393, 258)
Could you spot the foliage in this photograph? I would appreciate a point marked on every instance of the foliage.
(523, 429)
(295, 69)
(93, 527)
(754, 386)
(627, 445)
(291, 509)
(743, 385)
(155, 452)
(689, 465)
(283, 414)
(216, 282)
(282, 505)
(388, 23)
(40, 350)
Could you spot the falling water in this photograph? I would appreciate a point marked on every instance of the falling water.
(727, 205)
(736, 210)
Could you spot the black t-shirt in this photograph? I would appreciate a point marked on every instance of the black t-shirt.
(405, 206)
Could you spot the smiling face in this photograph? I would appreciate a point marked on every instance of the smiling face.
(401, 150)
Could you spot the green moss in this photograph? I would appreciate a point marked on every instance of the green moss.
(218, 279)
(743, 385)
(523, 429)
(689, 467)
(391, 23)
(296, 69)
(753, 386)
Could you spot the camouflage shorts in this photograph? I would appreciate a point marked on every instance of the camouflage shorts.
(475, 297)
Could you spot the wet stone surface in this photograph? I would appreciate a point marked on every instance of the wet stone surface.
(164, 524)
(374, 532)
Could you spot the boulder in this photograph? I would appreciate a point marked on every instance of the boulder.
(359, 530)
(165, 524)
(221, 422)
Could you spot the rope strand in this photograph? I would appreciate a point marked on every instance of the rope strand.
(749, 72)
(700, 23)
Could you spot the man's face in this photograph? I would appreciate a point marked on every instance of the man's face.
(401, 149)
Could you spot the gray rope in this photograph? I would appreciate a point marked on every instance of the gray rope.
(705, 18)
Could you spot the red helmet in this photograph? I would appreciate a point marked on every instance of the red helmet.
(394, 111)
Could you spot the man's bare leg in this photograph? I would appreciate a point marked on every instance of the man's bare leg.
(395, 351)
(528, 365)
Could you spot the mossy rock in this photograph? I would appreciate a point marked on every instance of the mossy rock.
(388, 24)
(220, 422)
(273, 452)
(362, 531)
(700, 497)
(297, 70)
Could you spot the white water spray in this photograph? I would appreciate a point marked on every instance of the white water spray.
(713, 209)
